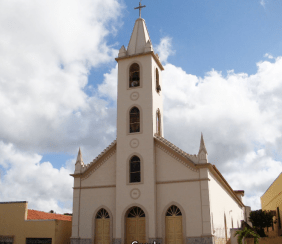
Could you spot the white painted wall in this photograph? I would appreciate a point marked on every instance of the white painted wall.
(222, 202)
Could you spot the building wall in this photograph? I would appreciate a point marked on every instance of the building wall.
(13, 222)
(179, 185)
(271, 200)
(92, 200)
(223, 205)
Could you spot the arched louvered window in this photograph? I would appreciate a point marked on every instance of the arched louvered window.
(102, 214)
(136, 212)
(134, 120)
(135, 170)
(158, 121)
(173, 211)
(134, 75)
(158, 87)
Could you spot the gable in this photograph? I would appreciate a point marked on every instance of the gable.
(102, 173)
(173, 167)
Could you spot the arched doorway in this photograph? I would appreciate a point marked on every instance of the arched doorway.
(135, 226)
(173, 226)
(102, 227)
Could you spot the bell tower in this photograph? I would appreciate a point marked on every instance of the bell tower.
(139, 117)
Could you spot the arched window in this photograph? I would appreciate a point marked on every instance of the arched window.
(102, 214)
(158, 121)
(136, 212)
(173, 211)
(135, 168)
(158, 87)
(134, 75)
(134, 120)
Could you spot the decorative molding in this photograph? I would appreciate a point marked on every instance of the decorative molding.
(134, 96)
(134, 143)
(193, 158)
(117, 241)
(92, 187)
(98, 165)
(177, 158)
(135, 193)
(181, 181)
(80, 241)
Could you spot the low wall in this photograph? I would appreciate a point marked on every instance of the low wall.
(266, 240)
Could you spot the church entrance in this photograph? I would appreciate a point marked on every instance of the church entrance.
(135, 226)
(102, 227)
(173, 226)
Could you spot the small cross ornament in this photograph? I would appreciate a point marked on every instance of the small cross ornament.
(140, 7)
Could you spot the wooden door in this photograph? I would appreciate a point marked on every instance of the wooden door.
(135, 230)
(173, 223)
(102, 227)
(135, 226)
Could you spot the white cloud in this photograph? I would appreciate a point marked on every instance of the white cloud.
(238, 114)
(164, 49)
(46, 51)
(109, 86)
(262, 3)
(29, 179)
(267, 55)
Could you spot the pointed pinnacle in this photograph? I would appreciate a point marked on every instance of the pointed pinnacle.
(79, 157)
(202, 145)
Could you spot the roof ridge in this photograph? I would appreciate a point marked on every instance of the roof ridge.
(192, 157)
(85, 167)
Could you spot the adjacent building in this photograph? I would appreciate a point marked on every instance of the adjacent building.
(271, 200)
(20, 225)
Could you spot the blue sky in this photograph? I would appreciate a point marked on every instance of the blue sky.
(223, 77)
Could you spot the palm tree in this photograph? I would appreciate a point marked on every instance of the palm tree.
(247, 233)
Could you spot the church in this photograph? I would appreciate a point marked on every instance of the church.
(142, 188)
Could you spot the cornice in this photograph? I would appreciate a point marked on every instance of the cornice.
(192, 159)
(181, 181)
(143, 54)
(98, 163)
(88, 169)
(186, 162)
(220, 177)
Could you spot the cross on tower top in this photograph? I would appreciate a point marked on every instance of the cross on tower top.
(140, 7)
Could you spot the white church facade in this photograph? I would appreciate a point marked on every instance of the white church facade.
(143, 188)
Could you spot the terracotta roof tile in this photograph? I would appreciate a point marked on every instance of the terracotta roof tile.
(34, 214)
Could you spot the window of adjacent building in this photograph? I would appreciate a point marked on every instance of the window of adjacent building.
(6, 239)
(135, 168)
(158, 87)
(134, 120)
(158, 120)
(38, 240)
(134, 75)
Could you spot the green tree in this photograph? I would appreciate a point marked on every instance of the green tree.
(246, 233)
(261, 219)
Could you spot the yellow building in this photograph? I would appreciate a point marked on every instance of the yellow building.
(272, 200)
(19, 225)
